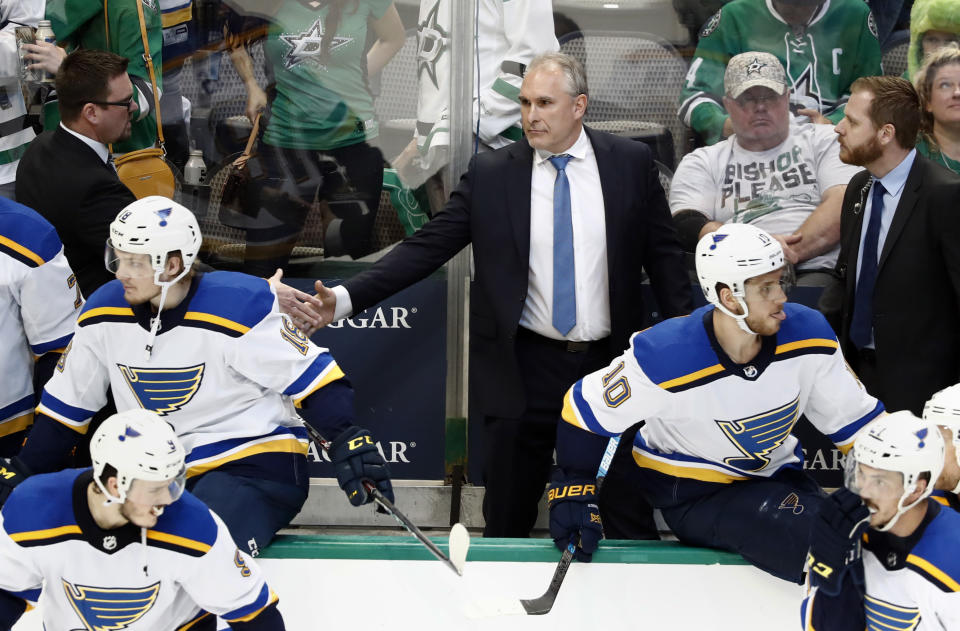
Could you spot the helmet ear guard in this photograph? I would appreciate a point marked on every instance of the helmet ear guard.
(902, 443)
(139, 445)
(732, 255)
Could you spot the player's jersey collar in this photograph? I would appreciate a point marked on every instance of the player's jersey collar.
(107, 541)
(751, 370)
(169, 318)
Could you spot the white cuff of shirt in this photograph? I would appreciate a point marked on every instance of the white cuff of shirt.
(344, 304)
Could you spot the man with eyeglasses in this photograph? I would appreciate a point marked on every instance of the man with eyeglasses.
(774, 173)
(718, 392)
(66, 173)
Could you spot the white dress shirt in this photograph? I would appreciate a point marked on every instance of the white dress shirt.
(96, 145)
(589, 246)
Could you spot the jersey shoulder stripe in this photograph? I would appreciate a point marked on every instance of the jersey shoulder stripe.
(229, 302)
(40, 510)
(676, 354)
(934, 557)
(106, 304)
(804, 332)
(186, 526)
(26, 236)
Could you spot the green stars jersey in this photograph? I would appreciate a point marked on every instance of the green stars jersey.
(80, 24)
(821, 59)
(321, 103)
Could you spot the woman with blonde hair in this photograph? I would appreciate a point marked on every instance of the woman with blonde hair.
(938, 84)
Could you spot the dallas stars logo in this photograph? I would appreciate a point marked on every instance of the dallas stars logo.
(308, 46)
(432, 42)
(755, 66)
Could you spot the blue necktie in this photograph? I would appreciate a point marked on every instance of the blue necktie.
(564, 281)
(861, 326)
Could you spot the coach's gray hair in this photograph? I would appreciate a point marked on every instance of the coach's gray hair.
(569, 65)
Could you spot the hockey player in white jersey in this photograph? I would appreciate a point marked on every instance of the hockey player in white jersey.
(212, 355)
(908, 577)
(718, 392)
(943, 408)
(124, 546)
(39, 304)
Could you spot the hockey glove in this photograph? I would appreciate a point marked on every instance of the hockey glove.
(12, 473)
(356, 460)
(575, 517)
(835, 541)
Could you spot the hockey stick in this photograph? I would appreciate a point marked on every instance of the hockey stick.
(459, 537)
(543, 604)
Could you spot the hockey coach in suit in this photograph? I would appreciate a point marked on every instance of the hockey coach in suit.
(563, 224)
(900, 267)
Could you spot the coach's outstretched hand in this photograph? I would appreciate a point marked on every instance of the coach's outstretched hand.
(12, 473)
(356, 460)
(574, 516)
(835, 541)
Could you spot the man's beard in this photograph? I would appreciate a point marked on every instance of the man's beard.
(862, 155)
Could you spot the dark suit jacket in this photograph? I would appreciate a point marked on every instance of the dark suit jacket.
(64, 180)
(916, 299)
(490, 208)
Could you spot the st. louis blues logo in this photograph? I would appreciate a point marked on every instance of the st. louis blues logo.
(884, 616)
(717, 238)
(110, 608)
(308, 46)
(757, 436)
(164, 214)
(163, 390)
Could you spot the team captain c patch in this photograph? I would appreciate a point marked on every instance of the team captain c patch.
(163, 390)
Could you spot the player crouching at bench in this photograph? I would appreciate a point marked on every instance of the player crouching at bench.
(211, 354)
(719, 392)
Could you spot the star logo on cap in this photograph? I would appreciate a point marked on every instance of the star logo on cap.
(755, 66)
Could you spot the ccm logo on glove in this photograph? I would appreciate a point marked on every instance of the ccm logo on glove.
(358, 442)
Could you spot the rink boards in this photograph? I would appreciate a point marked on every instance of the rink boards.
(393, 582)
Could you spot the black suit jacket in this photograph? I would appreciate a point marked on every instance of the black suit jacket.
(490, 208)
(916, 299)
(65, 180)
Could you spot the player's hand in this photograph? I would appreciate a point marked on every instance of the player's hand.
(574, 516)
(12, 473)
(44, 56)
(835, 541)
(304, 309)
(815, 117)
(356, 460)
(786, 241)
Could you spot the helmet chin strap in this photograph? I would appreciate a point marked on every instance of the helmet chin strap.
(901, 509)
(741, 319)
(155, 320)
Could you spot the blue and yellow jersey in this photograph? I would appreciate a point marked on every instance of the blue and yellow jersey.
(39, 303)
(227, 369)
(184, 568)
(711, 420)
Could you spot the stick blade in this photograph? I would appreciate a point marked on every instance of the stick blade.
(459, 544)
(539, 606)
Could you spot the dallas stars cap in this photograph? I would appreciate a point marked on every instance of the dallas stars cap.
(747, 70)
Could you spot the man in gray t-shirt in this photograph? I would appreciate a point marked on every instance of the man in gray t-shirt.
(784, 178)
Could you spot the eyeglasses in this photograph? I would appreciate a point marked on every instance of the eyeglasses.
(125, 103)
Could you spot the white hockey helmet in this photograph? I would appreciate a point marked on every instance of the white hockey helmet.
(140, 446)
(943, 408)
(731, 255)
(898, 442)
(155, 226)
